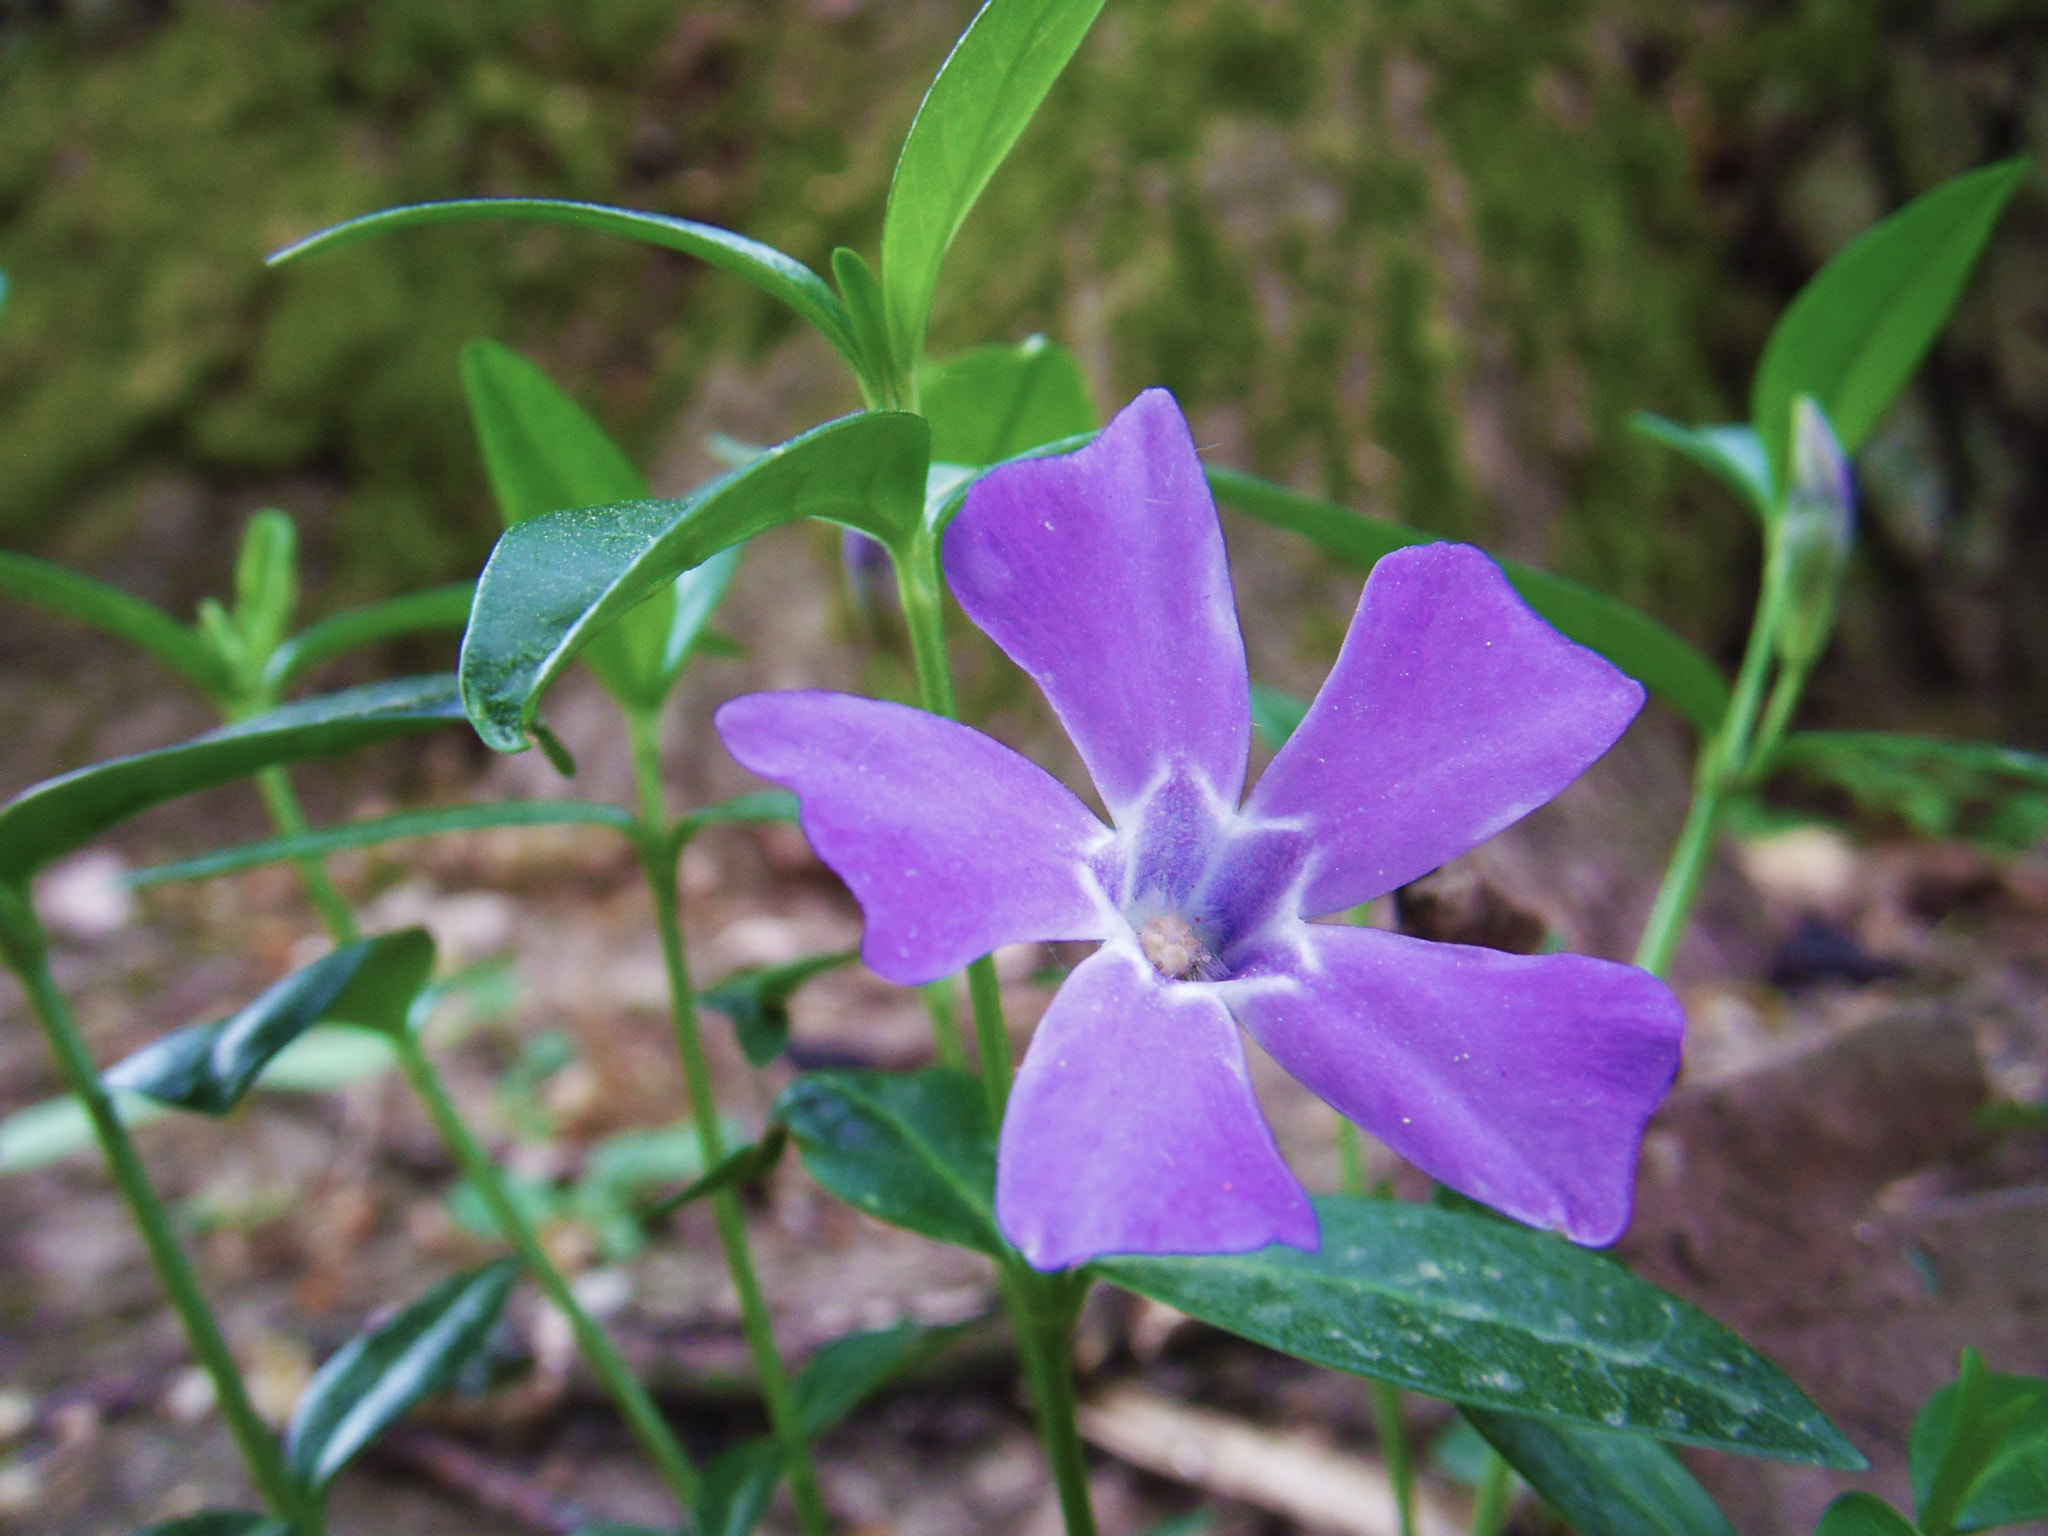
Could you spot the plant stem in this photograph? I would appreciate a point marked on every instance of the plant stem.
(1041, 1313)
(289, 817)
(1490, 1504)
(641, 1416)
(1721, 764)
(21, 938)
(658, 862)
(944, 1009)
(1785, 692)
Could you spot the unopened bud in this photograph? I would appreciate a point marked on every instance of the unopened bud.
(1814, 533)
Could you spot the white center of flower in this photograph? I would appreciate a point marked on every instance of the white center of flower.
(1176, 950)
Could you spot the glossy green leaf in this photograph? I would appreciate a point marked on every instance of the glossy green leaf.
(845, 1373)
(353, 629)
(982, 98)
(1863, 1514)
(209, 1067)
(992, 403)
(740, 1167)
(867, 314)
(756, 1001)
(1669, 667)
(380, 1375)
(1496, 1315)
(218, 1522)
(111, 611)
(1731, 452)
(557, 580)
(386, 829)
(737, 1488)
(1856, 333)
(1604, 1483)
(914, 1149)
(48, 820)
(1979, 1452)
(1276, 715)
(760, 807)
(1971, 789)
(766, 268)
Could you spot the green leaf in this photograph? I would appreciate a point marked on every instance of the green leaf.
(1496, 1315)
(1276, 715)
(737, 1169)
(1604, 1483)
(1670, 668)
(218, 1522)
(209, 1067)
(386, 829)
(1990, 794)
(766, 268)
(866, 313)
(1855, 334)
(1862, 1514)
(755, 808)
(555, 581)
(353, 629)
(914, 1149)
(48, 820)
(757, 1001)
(992, 403)
(982, 98)
(737, 1488)
(111, 611)
(1731, 452)
(1978, 1455)
(1196, 1522)
(845, 1373)
(44, 1133)
(266, 584)
(378, 1376)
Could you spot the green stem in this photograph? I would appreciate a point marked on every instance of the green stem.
(1785, 693)
(944, 1009)
(1350, 1158)
(1040, 1309)
(641, 1416)
(21, 938)
(1722, 761)
(1490, 1504)
(289, 818)
(658, 863)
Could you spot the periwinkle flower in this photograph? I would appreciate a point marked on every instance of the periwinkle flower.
(1523, 1081)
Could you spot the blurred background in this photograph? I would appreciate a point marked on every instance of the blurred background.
(1421, 256)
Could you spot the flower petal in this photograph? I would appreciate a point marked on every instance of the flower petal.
(1133, 1129)
(951, 842)
(1453, 711)
(1523, 1081)
(1102, 574)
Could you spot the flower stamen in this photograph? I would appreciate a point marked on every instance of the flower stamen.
(1176, 950)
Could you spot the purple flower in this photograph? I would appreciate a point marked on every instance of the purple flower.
(1451, 712)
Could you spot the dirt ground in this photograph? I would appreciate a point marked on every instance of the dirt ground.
(1815, 1182)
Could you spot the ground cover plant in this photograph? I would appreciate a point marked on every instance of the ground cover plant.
(1126, 1149)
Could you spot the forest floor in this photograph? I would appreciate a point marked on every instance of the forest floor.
(1816, 1181)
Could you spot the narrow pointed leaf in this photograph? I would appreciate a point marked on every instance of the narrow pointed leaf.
(866, 314)
(209, 1067)
(1856, 333)
(1485, 1312)
(1990, 794)
(386, 829)
(354, 629)
(50, 819)
(557, 580)
(992, 403)
(982, 98)
(755, 808)
(1863, 1514)
(766, 268)
(913, 1149)
(379, 1376)
(757, 1001)
(737, 1488)
(1668, 666)
(848, 1371)
(737, 1169)
(1731, 452)
(218, 1522)
(2001, 1443)
(83, 600)
(1603, 1483)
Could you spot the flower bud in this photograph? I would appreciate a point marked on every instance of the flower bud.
(1813, 535)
